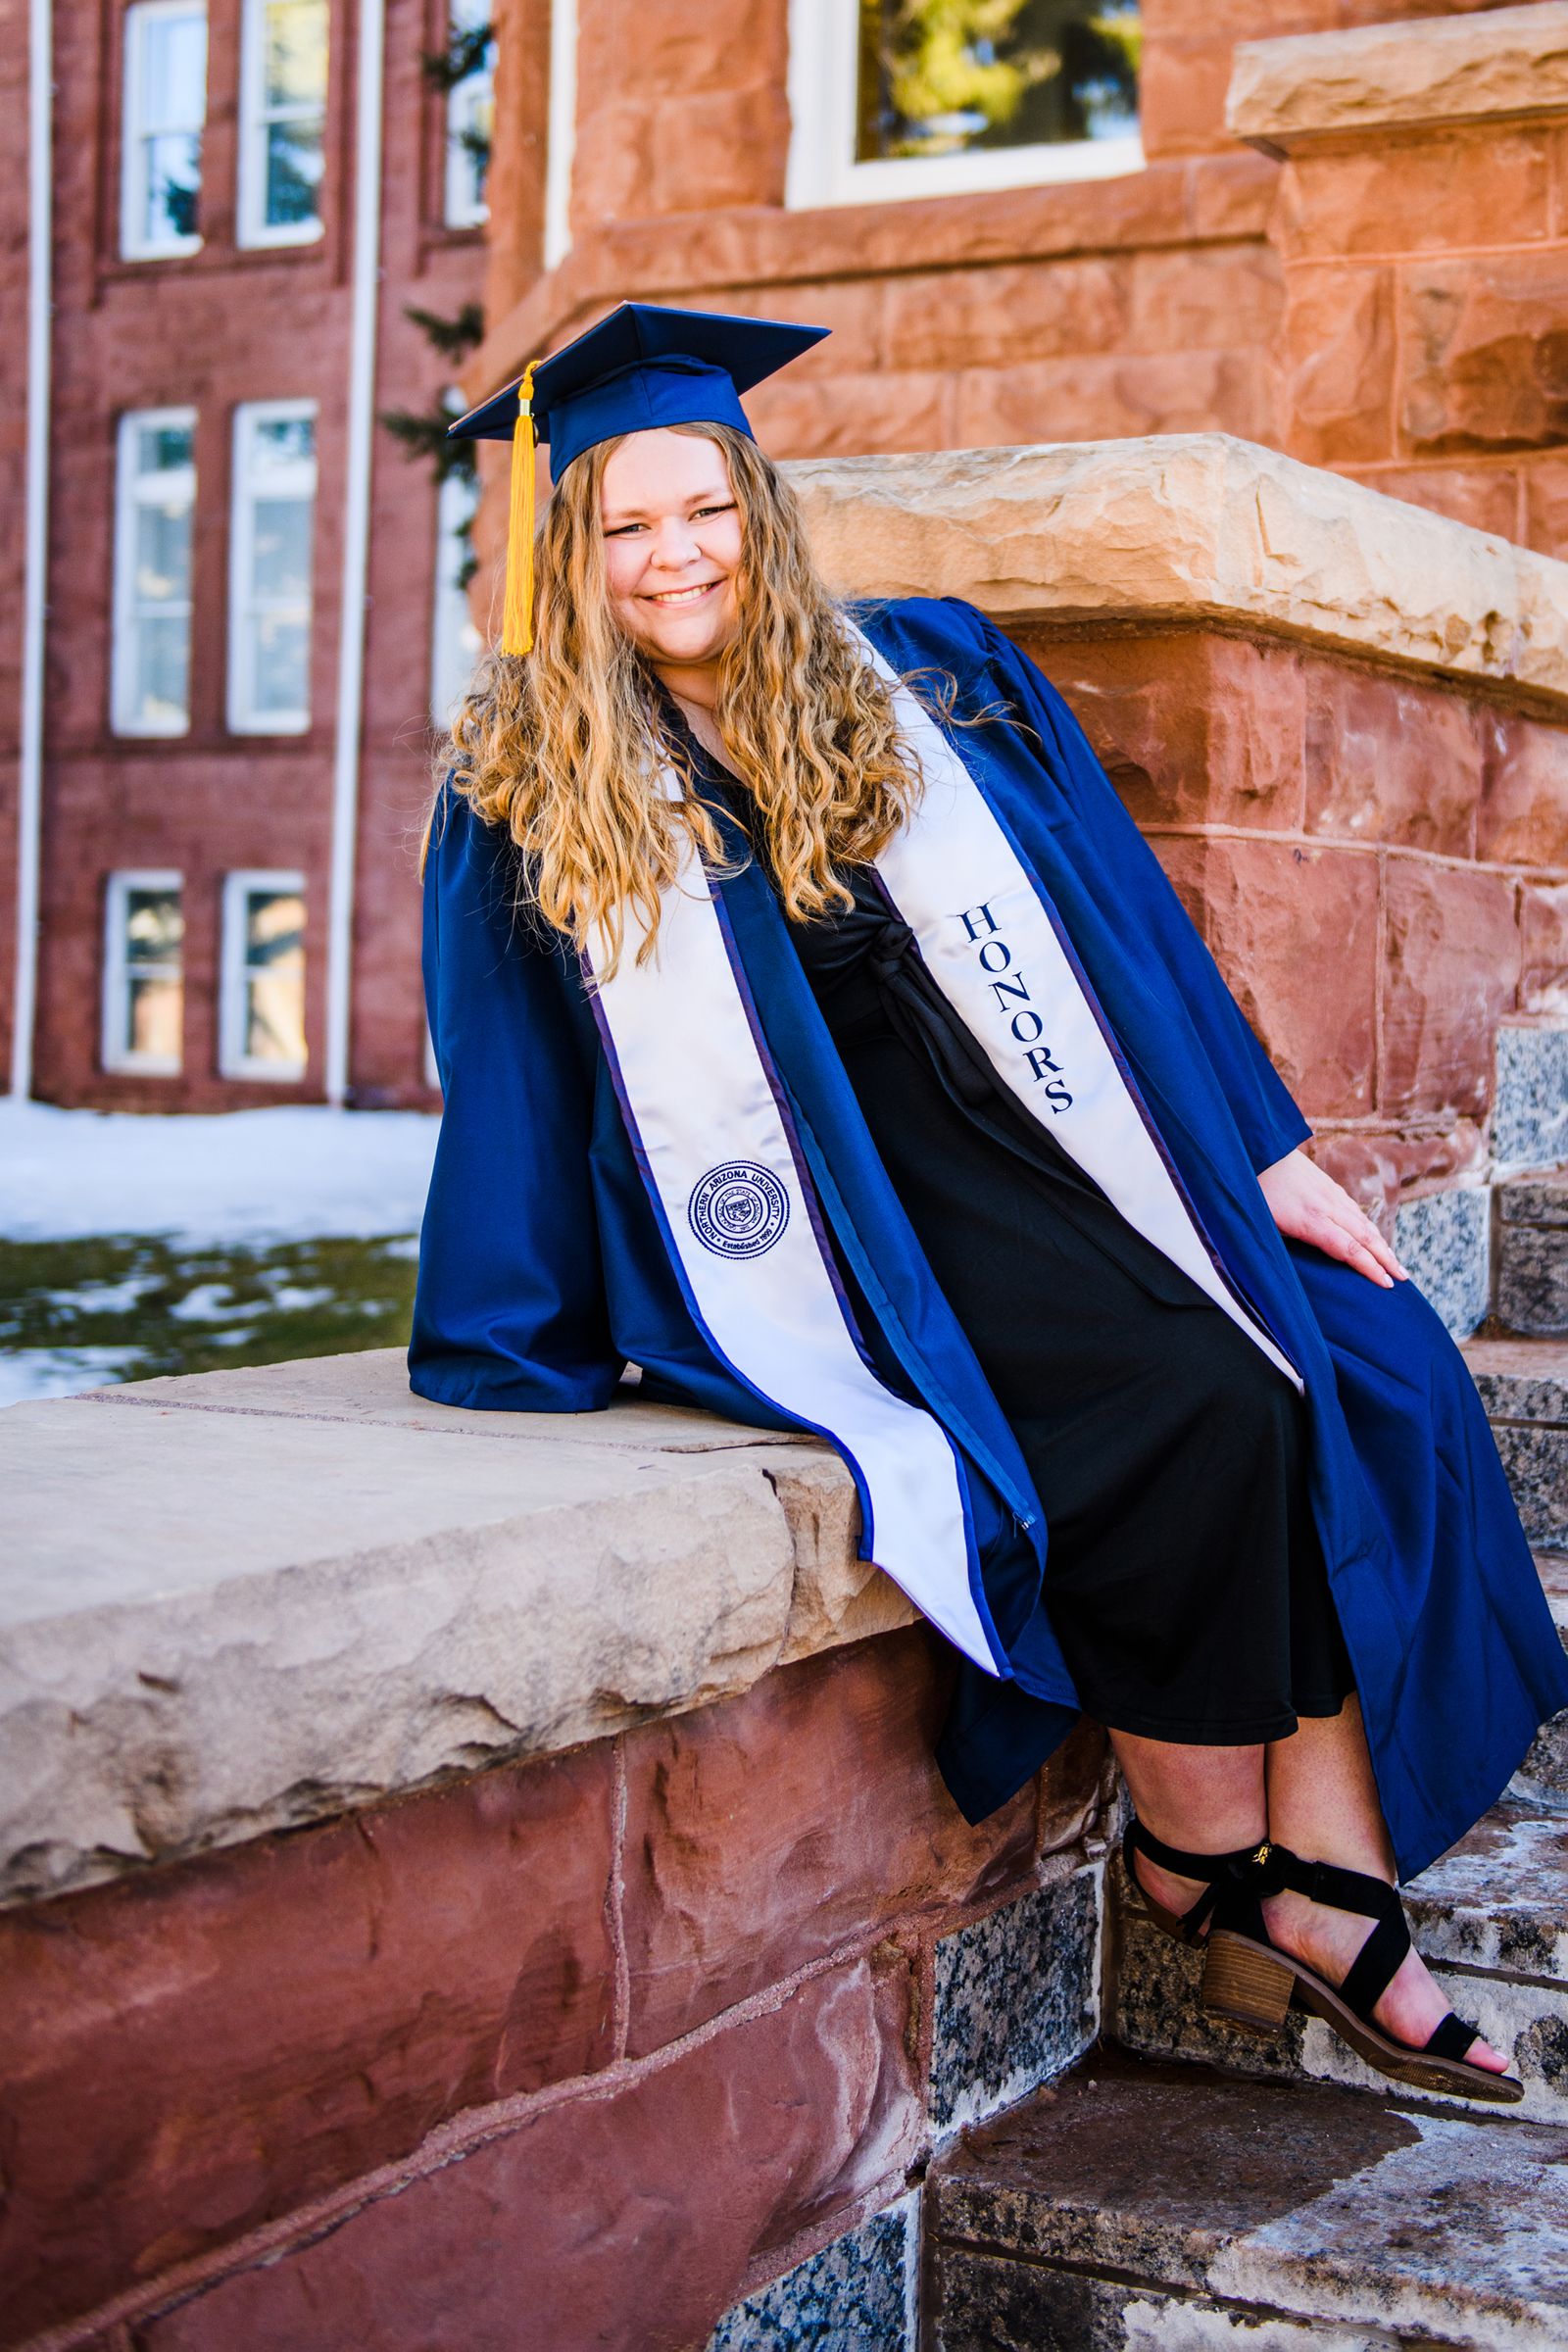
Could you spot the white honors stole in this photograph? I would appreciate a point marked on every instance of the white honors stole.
(996, 954)
(710, 1124)
(708, 1121)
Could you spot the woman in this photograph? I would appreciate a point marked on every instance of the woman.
(847, 1063)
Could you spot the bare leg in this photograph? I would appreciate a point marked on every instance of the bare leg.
(1313, 1792)
(1323, 1804)
(1206, 1800)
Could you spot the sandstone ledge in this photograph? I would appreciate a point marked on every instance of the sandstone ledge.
(1443, 71)
(249, 1599)
(1192, 527)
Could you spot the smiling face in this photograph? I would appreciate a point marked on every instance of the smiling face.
(673, 550)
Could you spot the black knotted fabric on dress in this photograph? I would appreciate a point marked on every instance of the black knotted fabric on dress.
(1184, 1577)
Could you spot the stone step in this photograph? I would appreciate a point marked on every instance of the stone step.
(1491, 1919)
(1524, 1387)
(1172, 2209)
(1531, 1255)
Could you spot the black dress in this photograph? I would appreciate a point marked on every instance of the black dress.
(1184, 1577)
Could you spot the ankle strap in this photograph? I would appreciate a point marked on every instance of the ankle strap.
(1220, 1873)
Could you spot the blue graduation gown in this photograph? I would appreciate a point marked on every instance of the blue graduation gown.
(543, 1270)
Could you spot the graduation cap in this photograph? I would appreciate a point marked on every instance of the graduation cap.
(639, 369)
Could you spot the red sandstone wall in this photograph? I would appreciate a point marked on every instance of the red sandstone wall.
(1379, 866)
(401, 2078)
(1187, 55)
(1421, 344)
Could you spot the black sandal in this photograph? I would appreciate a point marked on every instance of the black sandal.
(1250, 1982)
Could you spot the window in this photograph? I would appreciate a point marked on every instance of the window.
(269, 567)
(894, 98)
(156, 493)
(263, 1017)
(470, 112)
(456, 645)
(283, 122)
(166, 106)
(143, 978)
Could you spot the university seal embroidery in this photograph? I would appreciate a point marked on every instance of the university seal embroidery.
(738, 1210)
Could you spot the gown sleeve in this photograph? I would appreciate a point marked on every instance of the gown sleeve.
(1136, 883)
(509, 1315)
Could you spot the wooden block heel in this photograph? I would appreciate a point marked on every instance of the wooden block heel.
(1245, 1986)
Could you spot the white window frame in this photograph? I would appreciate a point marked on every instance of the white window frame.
(460, 209)
(133, 245)
(129, 486)
(243, 717)
(823, 74)
(116, 1055)
(252, 227)
(232, 1059)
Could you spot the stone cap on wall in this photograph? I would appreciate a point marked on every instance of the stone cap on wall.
(242, 1600)
(1502, 63)
(1194, 527)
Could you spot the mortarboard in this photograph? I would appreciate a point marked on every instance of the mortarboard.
(639, 369)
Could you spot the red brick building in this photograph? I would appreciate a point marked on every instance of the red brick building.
(204, 284)
(1054, 238)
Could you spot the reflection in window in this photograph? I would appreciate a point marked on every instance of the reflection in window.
(470, 111)
(156, 495)
(284, 107)
(457, 643)
(166, 107)
(946, 77)
(264, 976)
(144, 974)
(269, 567)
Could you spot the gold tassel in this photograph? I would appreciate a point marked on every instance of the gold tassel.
(516, 625)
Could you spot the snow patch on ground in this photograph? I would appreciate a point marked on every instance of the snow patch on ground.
(28, 1373)
(298, 1173)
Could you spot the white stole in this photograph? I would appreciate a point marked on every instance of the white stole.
(738, 1207)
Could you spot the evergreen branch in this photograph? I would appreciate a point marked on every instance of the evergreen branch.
(464, 54)
(454, 337)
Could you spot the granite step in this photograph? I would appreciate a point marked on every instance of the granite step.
(1524, 1387)
(1174, 2209)
(1531, 1241)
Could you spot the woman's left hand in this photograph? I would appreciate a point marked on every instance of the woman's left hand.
(1311, 1206)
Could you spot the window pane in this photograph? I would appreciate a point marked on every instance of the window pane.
(282, 441)
(457, 643)
(159, 448)
(153, 1016)
(173, 185)
(282, 673)
(177, 74)
(275, 926)
(954, 77)
(163, 554)
(294, 71)
(474, 135)
(162, 684)
(283, 547)
(294, 167)
(275, 976)
(154, 926)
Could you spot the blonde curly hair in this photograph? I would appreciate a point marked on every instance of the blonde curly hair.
(565, 746)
